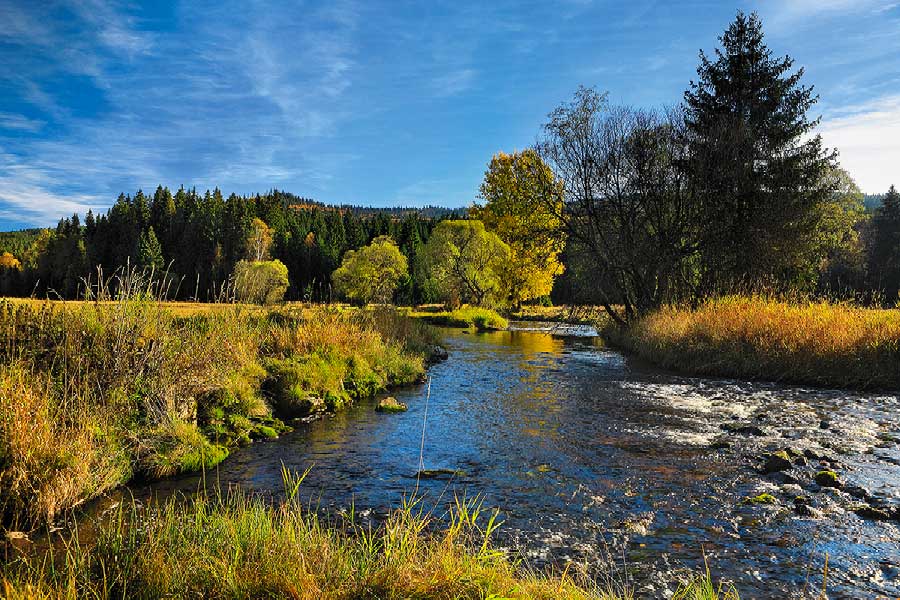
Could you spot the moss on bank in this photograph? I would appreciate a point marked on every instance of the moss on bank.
(94, 394)
(756, 338)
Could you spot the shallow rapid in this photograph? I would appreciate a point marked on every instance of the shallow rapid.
(595, 458)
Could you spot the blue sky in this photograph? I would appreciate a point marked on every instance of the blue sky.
(383, 103)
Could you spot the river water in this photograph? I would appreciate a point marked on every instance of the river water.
(595, 458)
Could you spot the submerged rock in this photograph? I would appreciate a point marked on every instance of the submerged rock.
(871, 513)
(743, 429)
(858, 492)
(792, 490)
(438, 473)
(776, 461)
(638, 524)
(828, 479)
(784, 477)
(390, 405)
(438, 354)
(805, 510)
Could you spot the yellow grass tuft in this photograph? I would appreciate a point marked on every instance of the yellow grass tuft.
(818, 343)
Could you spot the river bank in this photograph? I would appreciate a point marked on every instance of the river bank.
(815, 343)
(95, 395)
(240, 546)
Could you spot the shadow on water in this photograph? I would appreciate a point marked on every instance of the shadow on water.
(592, 457)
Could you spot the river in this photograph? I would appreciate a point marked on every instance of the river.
(595, 458)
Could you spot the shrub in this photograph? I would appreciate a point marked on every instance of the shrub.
(178, 447)
(52, 456)
(260, 282)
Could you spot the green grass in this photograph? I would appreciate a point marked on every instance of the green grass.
(702, 587)
(483, 319)
(817, 343)
(239, 546)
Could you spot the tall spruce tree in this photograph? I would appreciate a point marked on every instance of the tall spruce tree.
(759, 174)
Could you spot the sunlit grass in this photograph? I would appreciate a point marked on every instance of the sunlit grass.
(94, 393)
(240, 546)
(816, 342)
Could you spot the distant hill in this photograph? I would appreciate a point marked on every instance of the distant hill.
(427, 212)
(16, 242)
(873, 201)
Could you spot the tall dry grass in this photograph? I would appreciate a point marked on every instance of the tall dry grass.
(95, 393)
(239, 546)
(817, 343)
(51, 458)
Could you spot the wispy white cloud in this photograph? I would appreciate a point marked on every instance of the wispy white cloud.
(453, 82)
(868, 138)
(20, 122)
(782, 14)
(26, 195)
(236, 110)
(114, 28)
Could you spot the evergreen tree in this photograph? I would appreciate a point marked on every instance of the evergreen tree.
(162, 210)
(151, 253)
(759, 173)
(884, 250)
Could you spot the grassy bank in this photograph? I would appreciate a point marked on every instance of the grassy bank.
(483, 319)
(813, 343)
(242, 547)
(93, 395)
(573, 315)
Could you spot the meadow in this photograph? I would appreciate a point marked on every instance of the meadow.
(814, 342)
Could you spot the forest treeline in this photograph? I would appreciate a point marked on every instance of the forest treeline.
(731, 191)
(198, 239)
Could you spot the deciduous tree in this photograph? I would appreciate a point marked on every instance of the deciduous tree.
(259, 240)
(260, 282)
(628, 211)
(465, 263)
(523, 204)
(372, 273)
